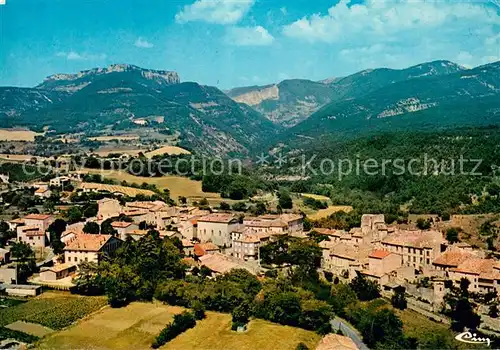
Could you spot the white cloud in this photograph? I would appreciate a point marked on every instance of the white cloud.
(386, 19)
(249, 36)
(401, 33)
(215, 11)
(143, 43)
(75, 56)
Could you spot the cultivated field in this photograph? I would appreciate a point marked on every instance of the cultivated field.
(128, 191)
(131, 327)
(214, 333)
(117, 137)
(17, 157)
(322, 213)
(104, 152)
(54, 311)
(316, 196)
(170, 150)
(135, 327)
(178, 185)
(17, 135)
(30, 328)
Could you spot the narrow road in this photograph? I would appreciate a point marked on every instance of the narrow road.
(349, 331)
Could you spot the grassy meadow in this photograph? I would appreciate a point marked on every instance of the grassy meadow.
(178, 185)
(17, 135)
(136, 325)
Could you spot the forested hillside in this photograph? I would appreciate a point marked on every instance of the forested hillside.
(434, 182)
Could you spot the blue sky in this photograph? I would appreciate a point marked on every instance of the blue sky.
(230, 43)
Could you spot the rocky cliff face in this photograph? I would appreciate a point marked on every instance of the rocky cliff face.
(207, 120)
(257, 96)
(434, 95)
(293, 101)
(74, 82)
(286, 103)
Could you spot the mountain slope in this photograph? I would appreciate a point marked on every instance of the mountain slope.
(14, 101)
(207, 120)
(293, 101)
(286, 103)
(467, 97)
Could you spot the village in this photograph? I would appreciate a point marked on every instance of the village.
(420, 261)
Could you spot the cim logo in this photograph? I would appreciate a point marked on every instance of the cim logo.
(468, 337)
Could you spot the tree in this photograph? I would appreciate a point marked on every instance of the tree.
(5, 233)
(464, 287)
(74, 214)
(463, 315)
(198, 310)
(239, 206)
(205, 271)
(91, 228)
(284, 200)
(301, 346)
(89, 281)
(316, 316)
(55, 230)
(452, 235)
(224, 206)
(398, 300)
(493, 311)
(107, 228)
(25, 258)
(341, 296)
(384, 327)
(249, 283)
(240, 315)
(423, 224)
(493, 189)
(260, 208)
(182, 200)
(364, 288)
(204, 202)
(90, 210)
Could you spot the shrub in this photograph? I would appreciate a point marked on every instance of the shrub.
(181, 323)
(198, 310)
(6, 333)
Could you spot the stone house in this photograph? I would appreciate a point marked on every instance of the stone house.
(217, 228)
(57, 272)
(123, 228)
(43, 192)
(418, 248)
(108, 208)
(86, 247)
(201, 249)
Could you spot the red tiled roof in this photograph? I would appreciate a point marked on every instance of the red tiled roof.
(121, 224)
(87, 242)
(379, 254)
(201, 249)
(222, 218)
(37, 216)
(452, 258)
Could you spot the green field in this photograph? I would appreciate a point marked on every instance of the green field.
(214, 333)
(136, 326)
(131, 327)
(53, 312)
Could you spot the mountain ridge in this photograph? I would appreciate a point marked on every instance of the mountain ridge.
(291, 101)
(466, 97)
